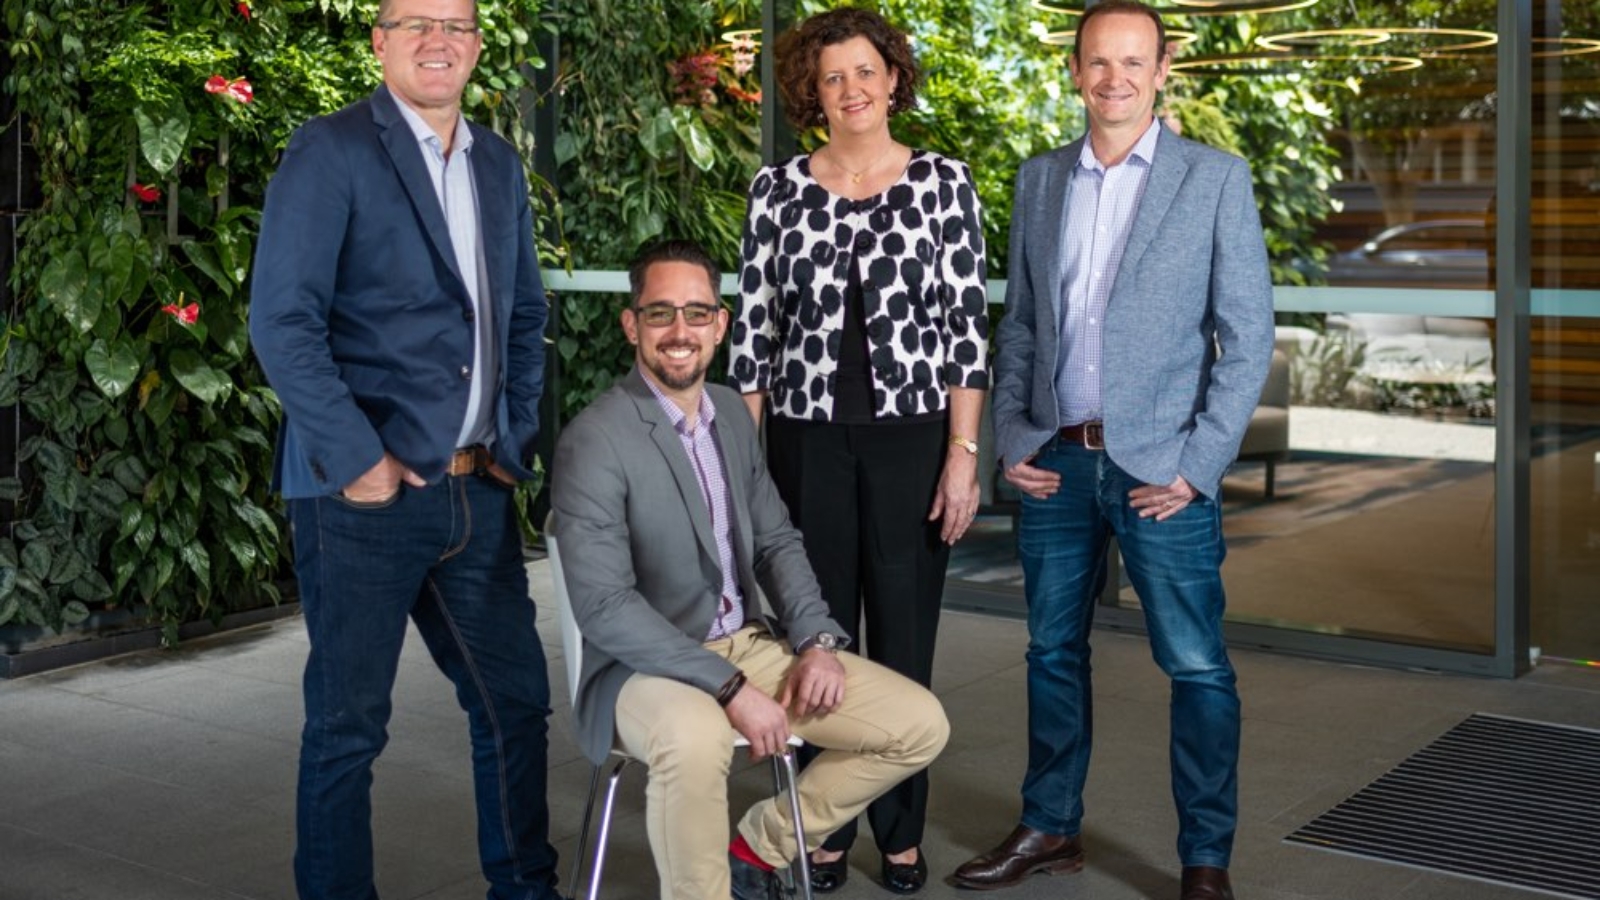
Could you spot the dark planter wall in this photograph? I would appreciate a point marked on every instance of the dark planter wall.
(19, 192)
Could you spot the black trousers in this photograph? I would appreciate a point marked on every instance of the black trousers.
(860, 495)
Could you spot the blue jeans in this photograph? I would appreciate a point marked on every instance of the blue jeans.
(1175, 567)
(449, 557)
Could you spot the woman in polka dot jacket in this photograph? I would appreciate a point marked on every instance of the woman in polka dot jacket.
(862, 332)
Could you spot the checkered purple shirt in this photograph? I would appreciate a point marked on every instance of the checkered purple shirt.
(706, 460)
(1100, 211)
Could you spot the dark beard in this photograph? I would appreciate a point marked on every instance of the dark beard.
(684, 383)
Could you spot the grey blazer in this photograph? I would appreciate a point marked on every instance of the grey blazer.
(640, 557)
(1193, 281)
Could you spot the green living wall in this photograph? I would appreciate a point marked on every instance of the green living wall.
(150, 427)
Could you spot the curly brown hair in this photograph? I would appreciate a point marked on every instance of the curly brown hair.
(799, 48)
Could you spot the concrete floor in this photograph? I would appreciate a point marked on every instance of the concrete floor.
(170, 775)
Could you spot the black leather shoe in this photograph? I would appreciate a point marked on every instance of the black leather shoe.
(1206, 883)
(905, 878)
(1024, 852)
(751, 883)
(827, 877)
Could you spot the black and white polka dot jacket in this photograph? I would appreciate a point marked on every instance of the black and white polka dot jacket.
(919, 251)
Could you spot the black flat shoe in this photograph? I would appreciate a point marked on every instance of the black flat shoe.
(827, 877)
(905, 878)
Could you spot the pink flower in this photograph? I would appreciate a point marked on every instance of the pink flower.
(148, 193)
(244, 9)
(186, 315)
(238, 89)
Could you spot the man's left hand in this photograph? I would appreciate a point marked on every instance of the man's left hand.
(815, 685)
(1161, 502)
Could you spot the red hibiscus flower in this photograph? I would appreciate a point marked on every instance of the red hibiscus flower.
(216, 84)
(244, 9)
(186, 315)
(148, 193)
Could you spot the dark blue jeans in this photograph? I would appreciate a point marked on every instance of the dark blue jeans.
(448, 557)
(1175, 568)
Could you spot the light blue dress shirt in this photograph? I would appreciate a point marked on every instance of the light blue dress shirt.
(1100, 208)
(458, 198)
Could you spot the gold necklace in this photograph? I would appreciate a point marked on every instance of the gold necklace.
(855, 177)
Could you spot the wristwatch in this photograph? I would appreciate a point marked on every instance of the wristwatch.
(822, 640)
(967, 444)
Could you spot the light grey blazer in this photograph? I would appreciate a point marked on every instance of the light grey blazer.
(640, 557)
(1193, 281)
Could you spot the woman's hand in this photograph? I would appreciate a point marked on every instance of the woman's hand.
(956, 500)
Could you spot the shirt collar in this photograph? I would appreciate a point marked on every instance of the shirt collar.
(708, 410)
(1144, 149)
(424, 133)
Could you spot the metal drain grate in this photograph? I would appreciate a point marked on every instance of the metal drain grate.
(1502, 800)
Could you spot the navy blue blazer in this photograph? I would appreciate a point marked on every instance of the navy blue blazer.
(359, 314)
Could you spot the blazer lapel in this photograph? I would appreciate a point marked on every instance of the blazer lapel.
(665, 437)
(401, 143)
(496, 219)
(1051, 221)
(1167, 172)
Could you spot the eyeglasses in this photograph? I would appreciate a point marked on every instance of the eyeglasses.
(421, 26)
(661, 315)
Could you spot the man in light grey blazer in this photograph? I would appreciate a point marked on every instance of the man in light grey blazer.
(1136, 339)
(700, 613)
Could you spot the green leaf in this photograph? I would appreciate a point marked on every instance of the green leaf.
(66, 567)
(74, 612)
(257, 518)
(129, 518)
(36, 558)
(64, 284)
(113, 368)
(130, 472)
(8, 600)
(105, 498)
(205, 259)
(197, 377)
(10, 489)
(91, 586)
(162, 134)
(64, 488)
(697, 143)
(199, 562)
(657, 135)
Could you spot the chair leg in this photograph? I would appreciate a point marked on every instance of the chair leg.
(583, 833)
(803, 879)
(1272, 472)
(603, 838)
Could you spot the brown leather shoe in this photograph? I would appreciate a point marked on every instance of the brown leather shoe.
(1024, 852)
(1206, 883)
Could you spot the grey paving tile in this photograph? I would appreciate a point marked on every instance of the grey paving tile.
(41, 868)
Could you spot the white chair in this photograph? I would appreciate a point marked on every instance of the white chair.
(783, 765)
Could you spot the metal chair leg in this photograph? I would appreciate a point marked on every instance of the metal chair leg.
(583, 833)
(804, 856)
(603, 838)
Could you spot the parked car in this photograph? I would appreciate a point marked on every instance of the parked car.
(1445, 253)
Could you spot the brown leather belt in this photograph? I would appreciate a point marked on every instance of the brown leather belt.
(1092, 435)
(470, 460)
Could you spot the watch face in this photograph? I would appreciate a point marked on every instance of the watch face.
(827, 641)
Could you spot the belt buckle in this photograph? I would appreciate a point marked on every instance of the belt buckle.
(1094, 435)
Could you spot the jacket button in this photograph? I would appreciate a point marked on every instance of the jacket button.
(466, 373)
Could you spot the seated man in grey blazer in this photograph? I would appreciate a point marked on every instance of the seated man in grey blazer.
(700, 613)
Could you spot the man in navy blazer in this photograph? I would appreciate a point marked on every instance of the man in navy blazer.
(398, 312)
(1136, 339)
